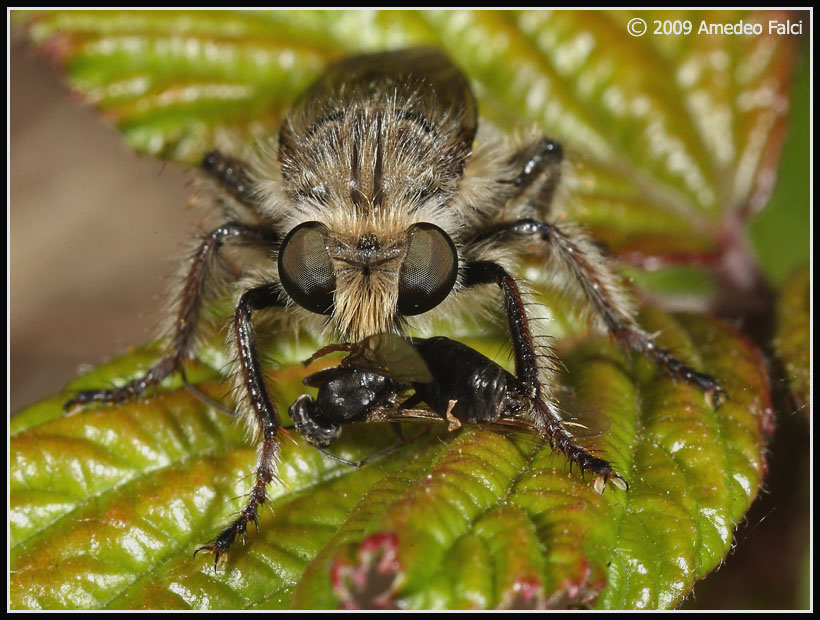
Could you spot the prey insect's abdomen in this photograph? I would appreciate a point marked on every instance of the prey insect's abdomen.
(467, 385)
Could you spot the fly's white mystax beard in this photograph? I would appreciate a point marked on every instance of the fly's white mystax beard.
(367, 251)
(365, 303)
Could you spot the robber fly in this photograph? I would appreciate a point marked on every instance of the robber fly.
(378, 206)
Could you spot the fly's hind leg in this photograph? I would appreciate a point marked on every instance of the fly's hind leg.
(186, 323)
(540, 174)
(589, 269)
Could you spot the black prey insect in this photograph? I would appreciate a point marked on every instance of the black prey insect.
(379, 205)
(470, 389)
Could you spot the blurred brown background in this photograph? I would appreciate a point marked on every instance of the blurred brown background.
(94, 231)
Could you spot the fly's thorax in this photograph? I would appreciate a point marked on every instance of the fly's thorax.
(371, 157)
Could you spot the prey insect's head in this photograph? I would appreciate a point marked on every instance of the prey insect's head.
(368, 279)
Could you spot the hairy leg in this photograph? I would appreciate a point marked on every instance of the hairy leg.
(575, 254)
(186, 323)
(265, 417)
(232, 176)
(530, 372)
(540, 173)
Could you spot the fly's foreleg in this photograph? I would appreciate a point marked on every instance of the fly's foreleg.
(530, 369)
(265, 418)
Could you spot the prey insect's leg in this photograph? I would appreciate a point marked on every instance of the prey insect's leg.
(232, 176)
(205, 399)
(265, 416)
(528, 369)
(365, 461)
(576, 255)
(187, 315)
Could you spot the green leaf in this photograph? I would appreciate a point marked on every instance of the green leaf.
(792, 341)
(673, 140)
(108, 505)
(780, 233)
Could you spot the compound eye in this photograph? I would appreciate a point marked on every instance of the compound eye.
(429, 270)
(305, 269)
